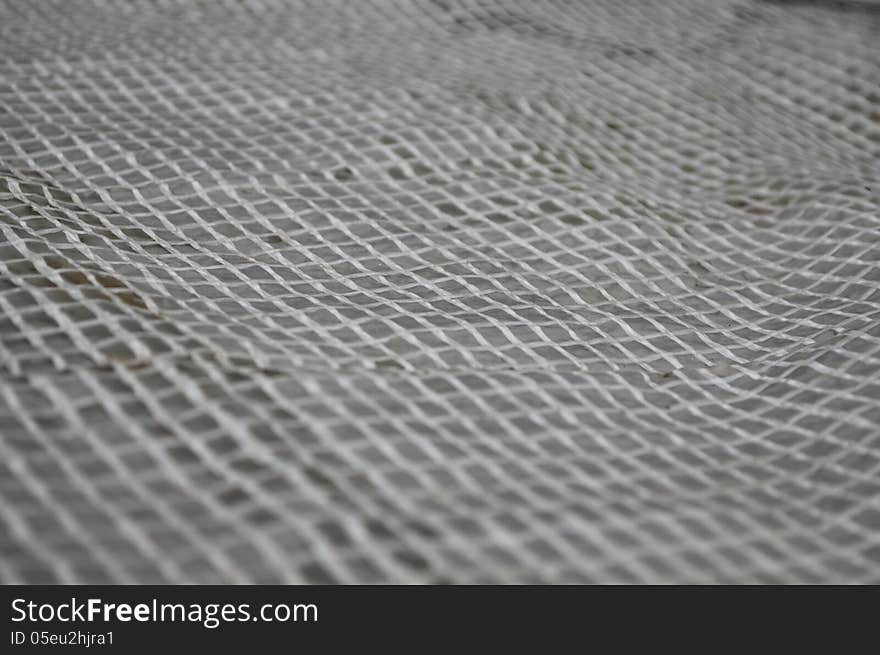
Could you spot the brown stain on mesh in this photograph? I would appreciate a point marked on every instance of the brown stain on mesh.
(132, 363)
(96, 281)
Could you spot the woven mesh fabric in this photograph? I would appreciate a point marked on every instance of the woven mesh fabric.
(458, 291)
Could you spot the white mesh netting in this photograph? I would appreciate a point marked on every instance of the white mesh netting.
(457, 291)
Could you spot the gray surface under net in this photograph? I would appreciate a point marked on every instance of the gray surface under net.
(440, 291)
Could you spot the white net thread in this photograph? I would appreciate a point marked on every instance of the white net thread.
(452, 291)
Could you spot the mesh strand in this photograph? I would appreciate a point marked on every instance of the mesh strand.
(440, 291)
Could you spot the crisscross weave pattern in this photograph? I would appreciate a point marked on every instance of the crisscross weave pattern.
(460, 291)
